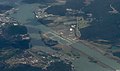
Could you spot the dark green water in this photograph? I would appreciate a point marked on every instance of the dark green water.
(37, 1)
(4, 8)
(117, 54)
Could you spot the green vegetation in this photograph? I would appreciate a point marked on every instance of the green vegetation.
(81, 23)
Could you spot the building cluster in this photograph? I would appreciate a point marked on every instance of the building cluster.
(36, 59)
